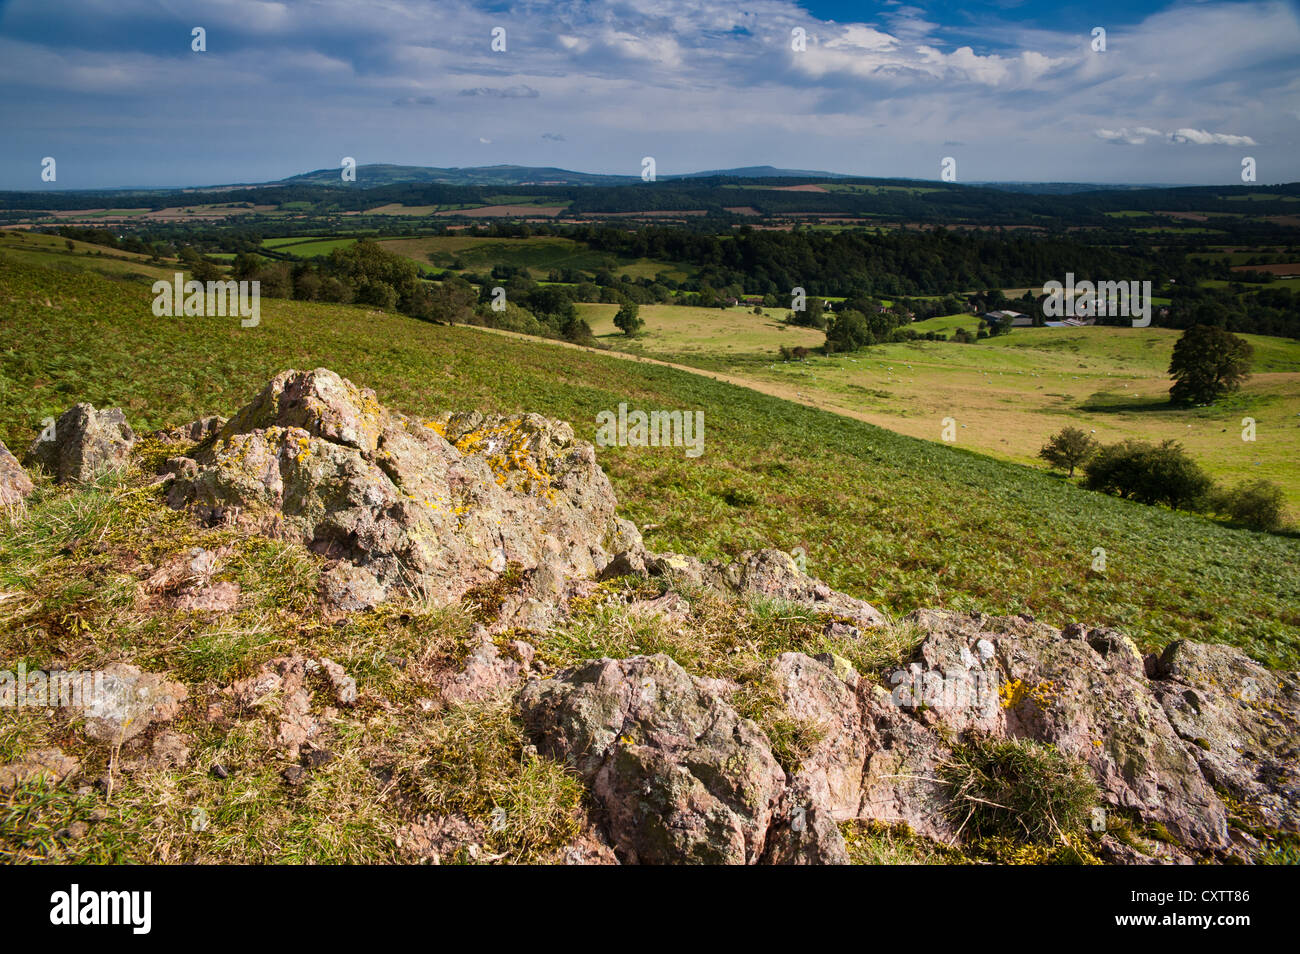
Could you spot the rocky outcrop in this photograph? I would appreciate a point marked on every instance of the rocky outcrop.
(15, 485)
(84, 443)
(441, 506)
(194, 432)
(512, 516)
(1083, 691)
(435, 505)
(774, 575)
(678, 775)
(1242, 722)
(769, 573)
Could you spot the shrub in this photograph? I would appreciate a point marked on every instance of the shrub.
(1258, 504)
(1149, 474)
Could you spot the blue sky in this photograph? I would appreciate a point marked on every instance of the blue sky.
(1012, 91)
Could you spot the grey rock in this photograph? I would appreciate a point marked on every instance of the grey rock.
(84, 444)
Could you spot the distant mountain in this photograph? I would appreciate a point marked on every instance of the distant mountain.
(382, 174)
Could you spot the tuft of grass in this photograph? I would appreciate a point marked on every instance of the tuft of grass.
(874, 843)
(474, 761)
(1019, 790)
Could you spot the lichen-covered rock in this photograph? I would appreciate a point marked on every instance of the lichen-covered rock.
(1089, 698)
(804, 832)
(901, 778)
(831, 773)
(488, 671)
(1242, 722)
(192, 433)
(350, 588)
(84, 443)
(15, 485)
(126, 701)
(437, 505)
(678, 775)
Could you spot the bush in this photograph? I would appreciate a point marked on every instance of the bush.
(1020, 789)
(628, 319)
(1068, 449)
(1149, 474)
(1258, 504)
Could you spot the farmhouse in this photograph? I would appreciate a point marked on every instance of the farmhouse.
(1017, 319)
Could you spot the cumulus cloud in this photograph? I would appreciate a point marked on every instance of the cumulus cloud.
(1203, 138)
(1135, 136)
(711, 83)
(1139, 135)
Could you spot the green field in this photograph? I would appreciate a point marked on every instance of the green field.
(539, 255)
(308, 247)
(1008, 394)
(899, 521)
(683, 331)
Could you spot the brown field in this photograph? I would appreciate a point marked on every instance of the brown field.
(799, 188)
(507, 211)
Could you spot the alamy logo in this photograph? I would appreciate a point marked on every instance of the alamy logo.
(656, 429)
(179, 297)
(37, 689)
(1088, 300)
(103, 907)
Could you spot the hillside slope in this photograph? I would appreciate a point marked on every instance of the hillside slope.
(893, 520)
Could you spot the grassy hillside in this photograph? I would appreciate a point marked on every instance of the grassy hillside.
(1008, 394)
(898, 521)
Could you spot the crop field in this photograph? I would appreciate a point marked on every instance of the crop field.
(898, 521)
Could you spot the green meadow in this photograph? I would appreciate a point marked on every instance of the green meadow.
(1007, 394)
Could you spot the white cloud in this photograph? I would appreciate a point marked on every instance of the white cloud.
(1203, 138)
(1138, 135)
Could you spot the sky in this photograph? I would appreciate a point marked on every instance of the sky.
(1012, 91)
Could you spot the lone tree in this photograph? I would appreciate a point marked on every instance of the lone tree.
(1068, 449)
(628, 319)
(1208, 362)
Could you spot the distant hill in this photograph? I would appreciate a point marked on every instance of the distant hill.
(381, 174)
